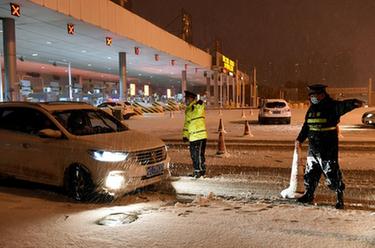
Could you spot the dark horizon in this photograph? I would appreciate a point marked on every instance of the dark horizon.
(311, 41)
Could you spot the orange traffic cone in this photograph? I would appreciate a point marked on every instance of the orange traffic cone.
(221, 149)
(243, 116)
(247, 131)
(221, 126)
(171, 115)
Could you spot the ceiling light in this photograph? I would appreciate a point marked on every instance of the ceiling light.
(139, 74)
(89, 64)
(83, 51)
(34, 54)
(109, 57)
(48, 42)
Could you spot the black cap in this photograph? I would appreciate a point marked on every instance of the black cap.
(317, 89)
(190, 94)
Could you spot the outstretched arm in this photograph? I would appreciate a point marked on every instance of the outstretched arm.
(345, 106)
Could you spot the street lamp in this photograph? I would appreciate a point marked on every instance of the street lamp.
(69, 76)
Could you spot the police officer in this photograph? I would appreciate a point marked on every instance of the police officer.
(320, 127)
(195, 132)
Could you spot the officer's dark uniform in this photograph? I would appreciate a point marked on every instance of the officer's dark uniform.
(195, 132)
(320, 127)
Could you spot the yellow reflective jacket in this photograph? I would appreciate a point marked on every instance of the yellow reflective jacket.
(195, 123)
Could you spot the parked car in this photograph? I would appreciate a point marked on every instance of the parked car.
(125, 108)
(78, 147)
(274, 111)
(368, 118)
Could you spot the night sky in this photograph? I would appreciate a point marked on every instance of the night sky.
(330, 41)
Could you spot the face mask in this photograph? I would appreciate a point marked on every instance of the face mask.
(314, 100)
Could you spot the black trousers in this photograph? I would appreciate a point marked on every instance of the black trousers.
(328, 166)
(197, 151)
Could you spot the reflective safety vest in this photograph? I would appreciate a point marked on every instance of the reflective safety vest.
(320, 124)
(195, 123)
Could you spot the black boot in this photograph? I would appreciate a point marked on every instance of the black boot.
(339, 200)
(307, 197)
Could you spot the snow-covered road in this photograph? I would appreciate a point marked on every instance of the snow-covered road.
(238, 205)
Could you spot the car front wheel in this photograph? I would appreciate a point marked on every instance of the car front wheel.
(78, 182)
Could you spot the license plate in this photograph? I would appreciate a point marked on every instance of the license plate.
(277, 112)
(155, 170)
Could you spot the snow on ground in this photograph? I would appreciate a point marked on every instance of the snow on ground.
(29, 219)
(171, 128)
(39, 217)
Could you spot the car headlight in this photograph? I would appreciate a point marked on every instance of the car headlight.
(369, 115)
(105, 156)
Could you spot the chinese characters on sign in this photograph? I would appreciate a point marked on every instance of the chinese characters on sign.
(228, 64)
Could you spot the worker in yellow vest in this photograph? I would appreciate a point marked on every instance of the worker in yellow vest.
(195, 132)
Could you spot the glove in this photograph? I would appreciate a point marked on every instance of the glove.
(184, 139)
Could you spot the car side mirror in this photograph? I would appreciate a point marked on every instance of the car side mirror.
(50, 133)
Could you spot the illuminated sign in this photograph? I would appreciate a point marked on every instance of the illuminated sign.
(147, 90)
(132, 89)
(228, 64)
(15, 10)
(108, 41)
(70, 28)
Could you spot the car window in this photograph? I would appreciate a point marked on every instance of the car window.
(88, 122)
(275, 105)
(25, 120)
(103, 105)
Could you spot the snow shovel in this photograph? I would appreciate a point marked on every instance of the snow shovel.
(296, 178)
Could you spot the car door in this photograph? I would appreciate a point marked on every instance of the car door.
(39, 159)
(10, 142)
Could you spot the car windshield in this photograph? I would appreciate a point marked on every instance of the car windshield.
(275, 104)
(88, 121)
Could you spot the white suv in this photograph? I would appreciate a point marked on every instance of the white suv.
(77, 146)
(274, 111)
